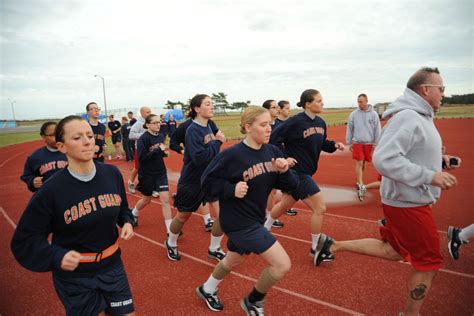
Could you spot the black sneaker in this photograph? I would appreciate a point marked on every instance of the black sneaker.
(291, 212)
(173, 253)
(135, 221)
(209, 224)
(454, 242)
(180, 234)
(322, 252)
(312, 253)
(219, 254)
(252, 309)
(278, 224)
(382, 222)
(212, 300)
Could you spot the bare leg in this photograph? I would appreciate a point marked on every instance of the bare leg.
(368, 246)
(359, 170)
(165, 204)
(419, 285)
(133, 175)
(318, 206)
(373, 185)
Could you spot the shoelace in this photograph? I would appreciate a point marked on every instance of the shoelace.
(257, 309)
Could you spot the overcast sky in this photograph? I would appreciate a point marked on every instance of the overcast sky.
(153, 51)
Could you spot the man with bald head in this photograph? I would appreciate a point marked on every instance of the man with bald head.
(409, 158)
(135, 132)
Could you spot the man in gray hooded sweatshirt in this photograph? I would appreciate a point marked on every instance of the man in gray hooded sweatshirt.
(409, 158)
(363, 132)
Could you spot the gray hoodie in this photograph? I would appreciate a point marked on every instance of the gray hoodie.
(408, 153)
(363, 127)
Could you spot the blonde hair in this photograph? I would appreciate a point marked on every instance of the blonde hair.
(250, 115)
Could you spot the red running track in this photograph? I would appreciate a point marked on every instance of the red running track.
(352, 284)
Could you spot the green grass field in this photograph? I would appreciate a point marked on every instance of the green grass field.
(229, 124)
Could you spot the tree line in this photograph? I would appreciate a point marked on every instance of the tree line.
(460, 99)
(221, 104)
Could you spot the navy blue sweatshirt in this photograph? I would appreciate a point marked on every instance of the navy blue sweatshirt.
(243, 163)
(42, 163)
(99, 136)
(171, 127)
(178, 137)
(164, 128)
(303, 139)
(150, 155)
(81, 216)
(125, 130)
(201, 148)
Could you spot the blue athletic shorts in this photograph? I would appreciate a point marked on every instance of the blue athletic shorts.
(149, 183)
(306, 188)
(188, 197)
(107, 291)
(256, 239)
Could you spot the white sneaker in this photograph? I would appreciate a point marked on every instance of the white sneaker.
(155, 194)
(131, 187)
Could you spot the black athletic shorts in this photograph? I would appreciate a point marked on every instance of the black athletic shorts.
(149, 183)
(307, 187)
(188, 197)
(107, 291)
(256, 239)
(116, 138)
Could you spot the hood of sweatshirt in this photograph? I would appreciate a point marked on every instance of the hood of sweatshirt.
(409, 100)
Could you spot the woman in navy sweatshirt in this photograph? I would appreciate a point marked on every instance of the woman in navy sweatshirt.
(201, 147)
(304, 136)
(81, 207)
(43, 162)
(243, 176)
(152, 176)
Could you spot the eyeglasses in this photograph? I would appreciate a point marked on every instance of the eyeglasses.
(440, 87)
(94, 109)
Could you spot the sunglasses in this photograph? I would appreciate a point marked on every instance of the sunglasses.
(440, 87)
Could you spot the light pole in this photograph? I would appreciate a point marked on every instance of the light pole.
(103, 89)
(13, 108)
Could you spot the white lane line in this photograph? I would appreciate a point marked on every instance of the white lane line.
(309, 242)
(9, 220)
(242, 276)
(12, 157)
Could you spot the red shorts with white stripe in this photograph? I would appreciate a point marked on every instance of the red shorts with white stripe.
(362, 152)
(411, 231)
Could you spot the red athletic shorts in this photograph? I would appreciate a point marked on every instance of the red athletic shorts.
(411, 231)
(135, 159)
(362, 152)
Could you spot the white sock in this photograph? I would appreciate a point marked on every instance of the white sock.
(168, 224)
(206, 218)
(269, 222)
(215, 242)
(211, 284)
(466, 233)
(173, 240)
(315, 239)
(135, 212)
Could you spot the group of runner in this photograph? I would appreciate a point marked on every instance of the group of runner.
(277, 159)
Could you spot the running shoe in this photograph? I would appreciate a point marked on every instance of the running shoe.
(218, 255)
(211, 299)
(252, 309)
(291, 212)
(131, 187)
(209, 224)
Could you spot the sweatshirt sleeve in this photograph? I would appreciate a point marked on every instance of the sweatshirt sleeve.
(378, 128)
(177, 138)
(30, 244)
(390, 155)
(328, 146)
(278, 135)
(142, 148)
(212, 181)
(350, 129)
(287, 181)
(213, 127)
(125, 215)
(28, 175)
(135, 131)
(199, 153)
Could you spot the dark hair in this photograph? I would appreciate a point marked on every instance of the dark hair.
(60, 128)
(362, 95)
(111, 116)
(45, 126)
(267, 104)
(282, 103)
(421, 76)
(196, 102)
(307, 96)
(148, 120)
(130, 112)
(90, 103)
(124, 118)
